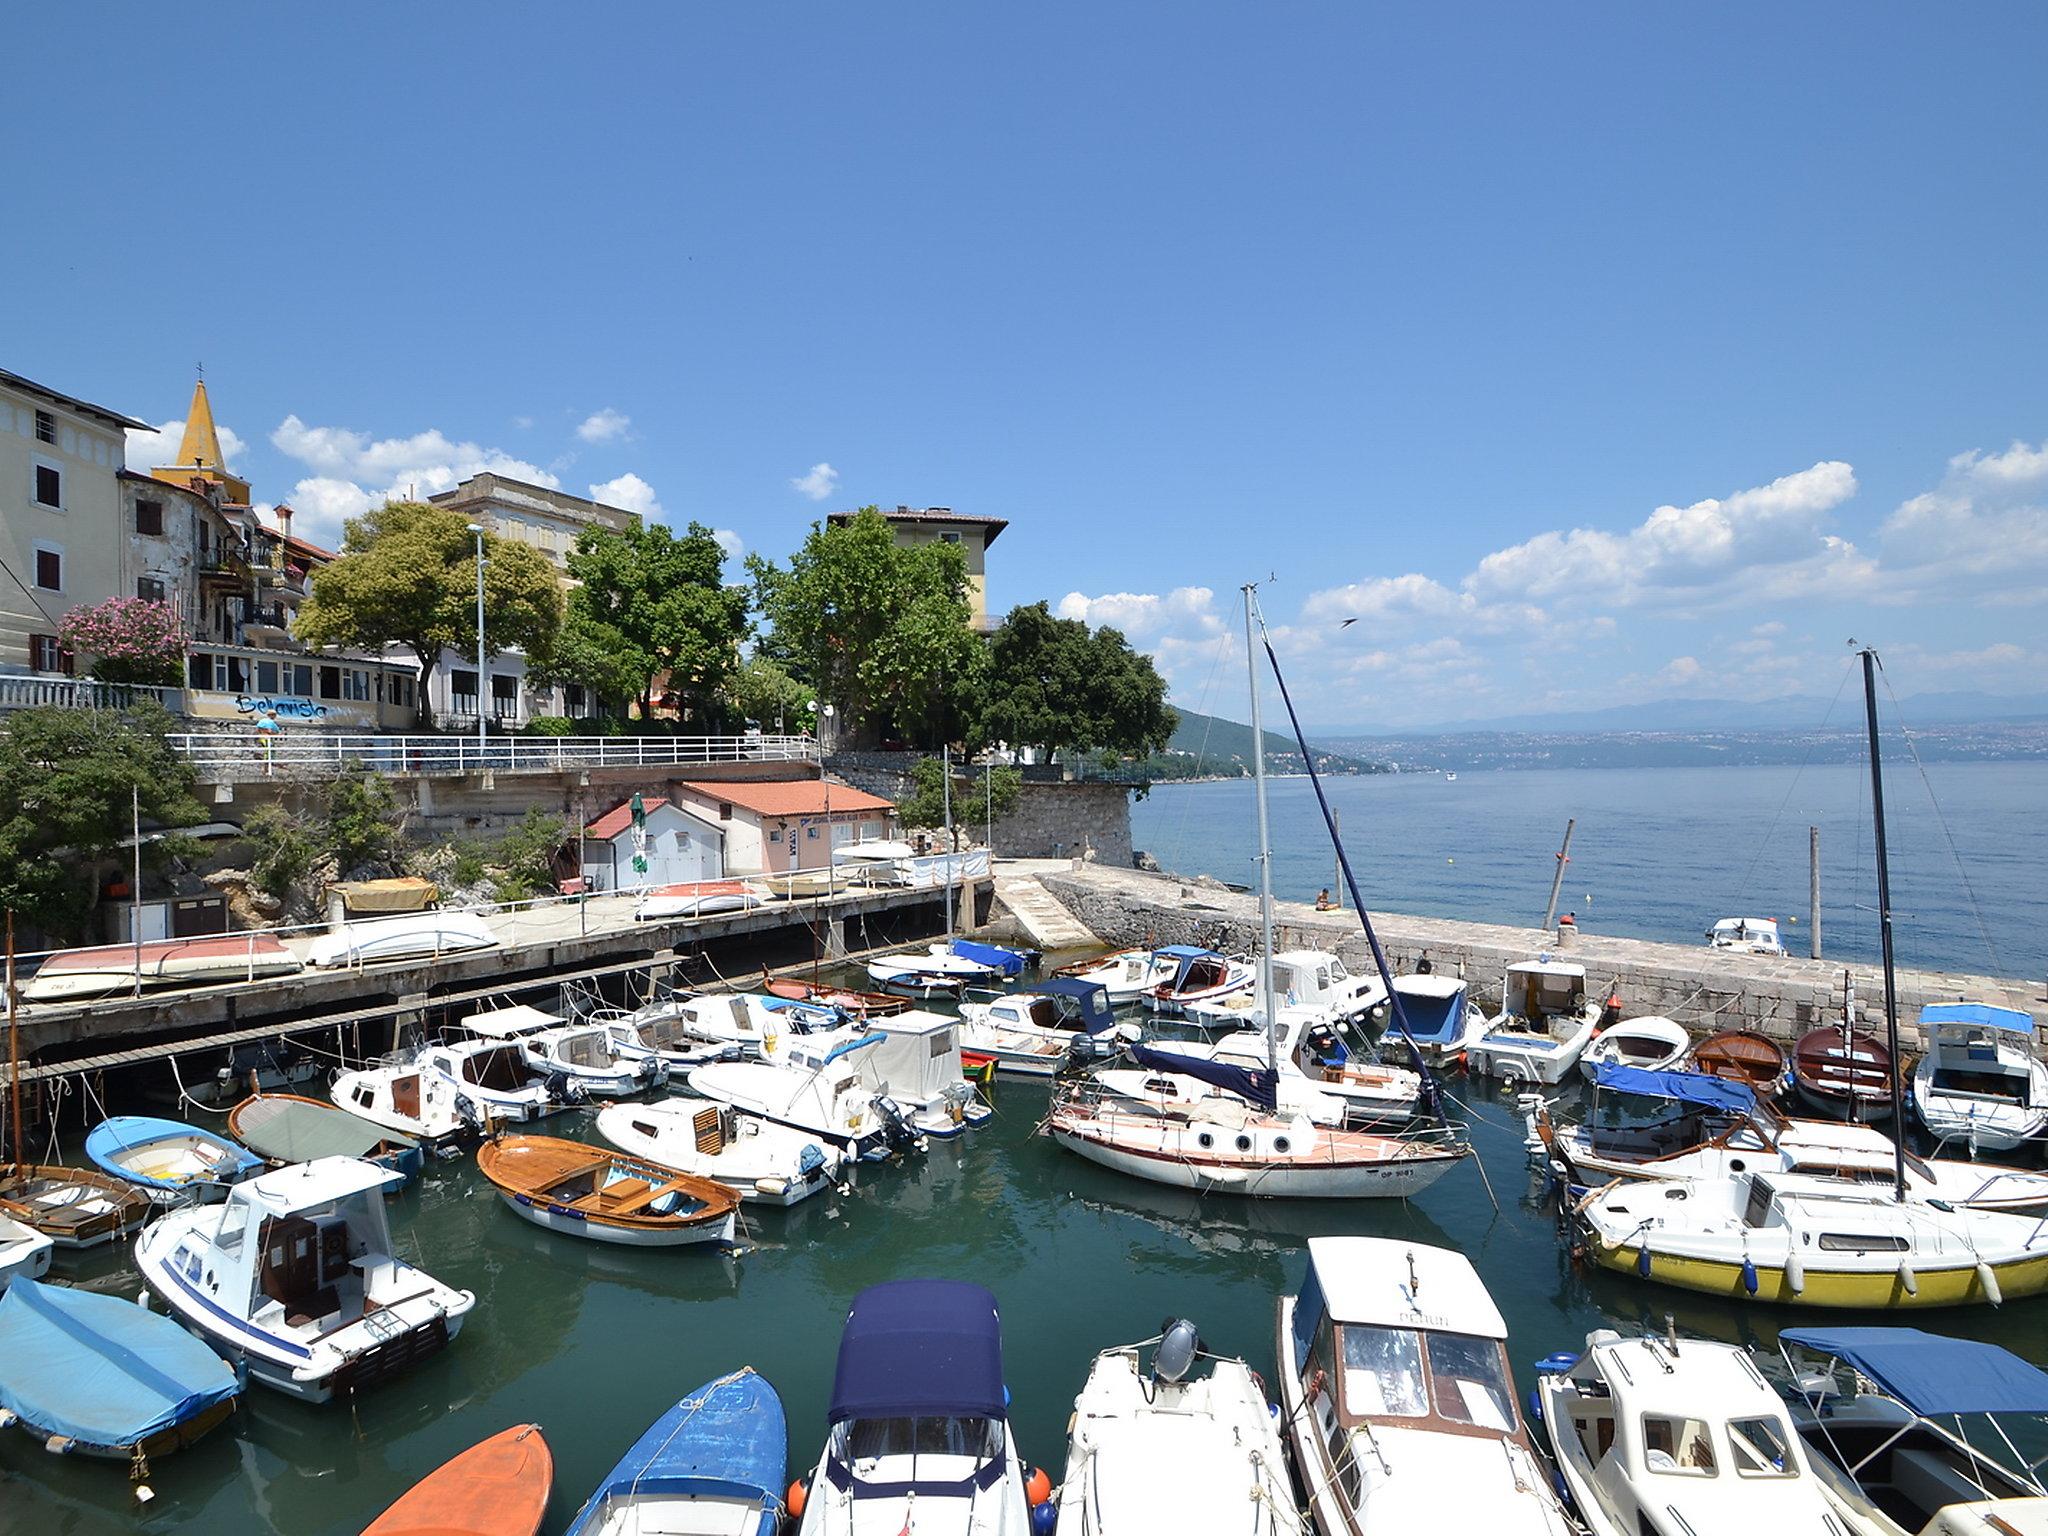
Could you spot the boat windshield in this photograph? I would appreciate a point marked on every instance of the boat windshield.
(869, 1440)
(1465, 1380)
(1383, 1373)
(1471, 1385)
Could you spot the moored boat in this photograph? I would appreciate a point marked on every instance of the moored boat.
(413, 936)
(761, 1162)
(1743, 1056)
(1034, 1033)
(1125, 974)
(78, 975)
(714, 1463)
(1544, 1026)
(848, 1001)
(606, 1196)
(167, 1159)
(1442, 1019)
(24, 1252)
(815, 1091)
(1844, 1072)
(283, 1128)
(1653, 1043)
(1188, 975)
(565, 1056)
(1980, 1082)
(498, 1487)
(1747, 935)
(73, 1207)
(912, 1067)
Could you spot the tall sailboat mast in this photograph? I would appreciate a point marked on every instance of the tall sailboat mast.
(1884, 931)
(1265, 973)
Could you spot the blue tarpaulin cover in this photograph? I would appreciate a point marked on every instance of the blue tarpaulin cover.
(726, 1439)
(1257, 1085)
(1931, 1374)
(1701, 1088)
(920, 1347)
(1092, 997)
(1008, 961)
(1185, 952)
(1985, 1014)
(101, 1370)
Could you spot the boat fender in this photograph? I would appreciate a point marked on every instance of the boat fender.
(9, 1418)
(1535, 1406)
(1045, 1519)
(142, 1298)
(1795, 1273)
(57, 1445)
(1557, 1364)
(1908, 1278)
(1643, 1260)
(1988, 1279)
(794, 1499)
(771, 1185)
(1037, 1487)
(1749, 1282)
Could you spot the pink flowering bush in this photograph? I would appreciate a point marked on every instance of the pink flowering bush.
(131, 639)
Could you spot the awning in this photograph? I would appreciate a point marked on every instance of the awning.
(1701, 1088)
(1984, 1014)
(920, 1348)
(1090, 997)
(1931, 1374)
(1259, 1086)
(404, 894)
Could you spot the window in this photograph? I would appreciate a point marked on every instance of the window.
(266, 677)
(1470, 1386)
(46, 427)
(1761, 1448)
(46, 655)
(302, 681)
(505, 696)
(1383, 1373)
(1682, 1446)
(49, 485)
(150, 588)
(199, 670)
(949, 538)
(725, 810)
(775, 835)
(355, 685)
(330, 682)
(1863, 1242)
(149, 517)
(49, 568)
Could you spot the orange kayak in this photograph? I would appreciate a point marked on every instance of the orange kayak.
(498, 1487)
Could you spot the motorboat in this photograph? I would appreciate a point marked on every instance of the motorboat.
(1397, 1399)
(1844, 1072)
(1743, 1055)
(854, 1004)
(1900, 1446)
(498, 1487)
(1007, 961)
(1806, 1242)
(495, 1080)
(714, 1464)
(1980, 1082)
(913, 1069)
(282, 1128)
(812, 1088)
(1034, 1033)
(658, 1031)
(606, 1196)
(409, 936)
(1313, 980)
(294, 1275)
(697, 898)
(920, 1420)
(24, 1252)
(565, 1056)
(1189, 975)
(1544, 1026)
(1325, 1071)
(1746, 935)
(73, 1207)
(761, 1162)
(1652, 1042)
(1125, 975)
(740, 1023)
(1440, 1017)
(107, 970)
(440, 1093)
(1169, 1448)
(167, 1159)
(1658, 1436)
(95, 1375)
(938, 971)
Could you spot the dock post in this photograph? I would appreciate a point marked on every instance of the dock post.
(1813, 890)
(1557, 880)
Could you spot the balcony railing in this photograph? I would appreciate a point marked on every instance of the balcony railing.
(19, 691)
(222, 755)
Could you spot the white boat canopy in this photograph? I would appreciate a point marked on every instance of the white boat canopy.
(1388, 1283)
(320, 1182)
(507, 1023)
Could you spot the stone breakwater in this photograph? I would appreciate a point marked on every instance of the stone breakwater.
(1701, 988)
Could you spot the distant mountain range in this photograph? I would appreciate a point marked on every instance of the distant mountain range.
(1797, 712)
(1204, 745)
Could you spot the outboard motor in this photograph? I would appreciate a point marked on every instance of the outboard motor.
(900, 1133)
(1179, 1346)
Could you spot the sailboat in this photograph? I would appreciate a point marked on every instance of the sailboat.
(1205, 1123)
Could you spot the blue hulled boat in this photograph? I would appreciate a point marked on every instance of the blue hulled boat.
(722, 1448)
(169, 1159)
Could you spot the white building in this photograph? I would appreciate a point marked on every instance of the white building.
(776, 826)
(677, 846)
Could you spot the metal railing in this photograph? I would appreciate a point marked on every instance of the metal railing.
(292, 752)
(18, 691)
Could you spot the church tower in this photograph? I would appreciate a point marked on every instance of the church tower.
(200, 465)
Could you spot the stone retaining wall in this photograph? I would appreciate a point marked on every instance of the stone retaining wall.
(1051, 820)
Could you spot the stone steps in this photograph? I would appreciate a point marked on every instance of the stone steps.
(1050, 924)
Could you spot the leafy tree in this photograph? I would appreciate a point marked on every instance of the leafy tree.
(762, 691)
(66, 777)
(880, 630)
(592, 655)
(364, 822)
(284, 848)
(652, 603)
(407, 576)
(977, 793)
(527, 854)
(130, 639)
(1055, 684)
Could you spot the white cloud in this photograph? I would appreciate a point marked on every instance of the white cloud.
(156, 449)
(1189, 612)
(628, 491)
(819, 482)
(603, 426)
(733, 545)
(523, 423)
(1981, 535)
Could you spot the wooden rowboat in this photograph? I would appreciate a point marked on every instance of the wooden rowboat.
(1846, 1073)
(610, 1197)
(1743, 1056)
(498, 1487)
(861, 1005)
(73, 1207)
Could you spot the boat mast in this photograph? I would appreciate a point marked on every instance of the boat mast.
(13, 1053)
(1884, 930)
(1265, 975)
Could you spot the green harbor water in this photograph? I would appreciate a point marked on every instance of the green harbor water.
(594, 1342)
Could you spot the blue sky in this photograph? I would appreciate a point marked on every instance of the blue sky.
(1425, 313)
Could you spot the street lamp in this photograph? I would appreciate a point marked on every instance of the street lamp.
(825, 778)
(482, 677)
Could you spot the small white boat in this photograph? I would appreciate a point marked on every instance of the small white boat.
(1439, 1015)
(697, 898)
(1035, 1033)
(1654, 1043)
(1397, 1400)
(563, 1055)
(294, 1274)
(1322, 1061)
(1313, 980)
(912, 1068)
(743, 1024)
(442, 1091)
(74, 975)
(1746, 935)
(1190, 975)
(1544, 1026)
(412, 936)
(1665, 1437)
(1124, 975)
(24, 1252)
(656, 1030)
(763, 1163)
(816, 1091)
(1980, 1082)
(937, 971)
(1165, 1450)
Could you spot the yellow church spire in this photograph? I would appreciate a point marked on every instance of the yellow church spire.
(199, 457)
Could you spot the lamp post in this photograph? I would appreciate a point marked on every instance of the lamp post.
(825, 778)
(482, 677)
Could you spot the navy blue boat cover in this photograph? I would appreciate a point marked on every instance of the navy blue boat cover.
(1008, 961)
(101, 1370)
(1259, 1086)
(726, 1439)
(920, 1348)
(1092, 997)
(1701, 1088)
(1931, 1374)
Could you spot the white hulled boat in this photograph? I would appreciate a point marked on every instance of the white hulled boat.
(698, 898)
(1397, 1399)
(1654, 1043)
(1746, 935)
(913, 1069)
(24, 1252)
(1443, 1021)
(1544, 1026)
(1980, 1082)
(1124, 975)
(813, 1087)
(1191, 975)
(74, 975)
(413, 936)
(1312, 980)
(564, 1055)
(658, 1030)
(1321, 1061)
(1035, 1033)
(763, 1163)
(294, 1274)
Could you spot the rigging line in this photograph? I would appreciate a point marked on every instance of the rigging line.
(33, 599)
(1812, 745)
(1224, 643)
(1948, 835)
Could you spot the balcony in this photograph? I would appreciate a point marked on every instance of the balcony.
(44, 691)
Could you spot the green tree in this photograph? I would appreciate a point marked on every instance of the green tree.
(651, 603)
(66, 777)
(527, 854)
(762, 691)
(1054, 683)
(977, 794)
(407, 576)
(879, 630)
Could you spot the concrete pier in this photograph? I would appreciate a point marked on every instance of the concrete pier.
(1701, 988)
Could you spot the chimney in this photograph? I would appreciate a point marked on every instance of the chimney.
(284, 519)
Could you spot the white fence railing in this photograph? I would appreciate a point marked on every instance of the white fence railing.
(289, 752)
(23, 691)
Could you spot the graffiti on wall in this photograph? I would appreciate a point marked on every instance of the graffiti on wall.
(284, 708)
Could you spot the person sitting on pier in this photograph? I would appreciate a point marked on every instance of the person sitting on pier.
(1323, 902)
